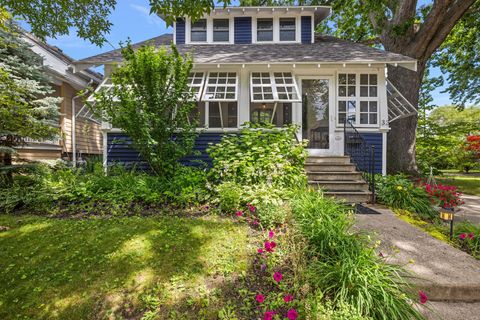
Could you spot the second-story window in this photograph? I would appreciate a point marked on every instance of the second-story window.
(221, 30)
(287, 29)
(199, 31)
(264, 29)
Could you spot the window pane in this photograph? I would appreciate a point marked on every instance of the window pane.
(264, 29)
(364, 79)
(342, 78)
(351, 79)
(342, 91)
(287, 29)
(221, 30)
(199, 113)
(287, 35)
(199, 36)
(351, 91)
(363, 106)
(231, 114)
(363, 118)
(373, 118)
(199, 30)
(363, 91)
(221, 36)
(373, 79)
(341, 117)
(351, 106)
(342, 106)
(220, 24)
(373, 106)
(373, 91)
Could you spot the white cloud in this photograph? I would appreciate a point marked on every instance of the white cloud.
(145, 11)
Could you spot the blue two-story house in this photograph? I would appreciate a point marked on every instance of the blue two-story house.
(262, 64)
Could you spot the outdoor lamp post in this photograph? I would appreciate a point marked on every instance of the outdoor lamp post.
(447, 215)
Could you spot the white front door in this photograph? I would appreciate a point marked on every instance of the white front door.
(318, 115)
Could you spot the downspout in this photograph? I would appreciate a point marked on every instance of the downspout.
(74, 124)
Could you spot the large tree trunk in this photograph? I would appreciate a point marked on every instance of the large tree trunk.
(401, 138)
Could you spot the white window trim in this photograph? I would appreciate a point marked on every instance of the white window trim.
(276, 29)
(236, 85)
(188, 28)
(274, 85)
(357, 99)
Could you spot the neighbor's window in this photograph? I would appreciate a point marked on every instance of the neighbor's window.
(221, 30)
(277, 113)
(199, 31)
(222, 115)
(358, 98)
(264, 29)
(287, 29)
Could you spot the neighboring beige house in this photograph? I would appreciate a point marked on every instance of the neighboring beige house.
(80, 135)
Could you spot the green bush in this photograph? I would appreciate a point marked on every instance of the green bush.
(229, 197)
(48, 190)
(398, 192)
(344, 267)
(260, 155)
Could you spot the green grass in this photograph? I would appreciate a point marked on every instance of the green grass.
(468, 184)
(117, 268)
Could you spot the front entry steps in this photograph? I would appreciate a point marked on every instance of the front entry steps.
(338, 177)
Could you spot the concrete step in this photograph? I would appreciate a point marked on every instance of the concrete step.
(350, 196)
(334, 176)
(328, 160)
(329, 185)
(321, 167)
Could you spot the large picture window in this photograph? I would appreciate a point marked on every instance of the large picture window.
(358, 99)
(199, 31)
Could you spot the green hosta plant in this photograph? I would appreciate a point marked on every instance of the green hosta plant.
(260, 155)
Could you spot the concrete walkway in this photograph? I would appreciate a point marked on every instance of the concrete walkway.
(449, 277)
(470, 210)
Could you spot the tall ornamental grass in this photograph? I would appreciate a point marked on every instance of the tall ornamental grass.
(344, 266)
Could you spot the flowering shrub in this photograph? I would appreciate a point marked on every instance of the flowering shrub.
(260, 155)
(397, 192)
(467, 237)
(443, 196)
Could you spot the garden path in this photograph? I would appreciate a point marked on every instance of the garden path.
(443, 272)
(470, 210)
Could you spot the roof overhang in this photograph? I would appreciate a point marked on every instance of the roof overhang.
(319, 12)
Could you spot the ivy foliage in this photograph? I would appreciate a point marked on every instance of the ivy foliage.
(150, 100)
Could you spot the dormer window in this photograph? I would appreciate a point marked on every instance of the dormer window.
(287, 29)
(221, 30)
(199, 31)
(264, 30)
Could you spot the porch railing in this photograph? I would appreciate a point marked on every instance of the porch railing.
(361, 153)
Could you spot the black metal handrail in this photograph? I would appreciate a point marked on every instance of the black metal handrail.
(361, 153)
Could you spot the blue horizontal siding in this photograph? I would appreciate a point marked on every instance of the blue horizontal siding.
(306, 29)
(120, 151)
(180, 31)
(376, 140)
(242, 30)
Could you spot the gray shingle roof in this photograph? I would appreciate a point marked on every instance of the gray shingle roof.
(325, 50)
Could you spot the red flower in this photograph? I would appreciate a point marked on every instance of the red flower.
(251, 207)
(277, 276)
(288, 298)
(471, 236)
(260, 250)
(269, 246)
(423, 297)
(268, 315)
(292, 314)
(271, 234)
(260, 298)
(239, 213)
(462, 236)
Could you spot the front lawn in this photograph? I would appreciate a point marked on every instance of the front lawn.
(468, 184)
(118, 267)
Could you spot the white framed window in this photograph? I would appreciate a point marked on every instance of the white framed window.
(198, 31)
(221, 30)
(358, 99)
(264, 29)
(196, 81)
(287, 29)
(222, 115)
(221, 86)
(273, 87)
(277, 113)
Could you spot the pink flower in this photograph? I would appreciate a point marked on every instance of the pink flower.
(255, 222)
(251, 207)
(423, 297)
(260, 250)
(260, 298)
(462, 236)
(292, 314)
(288, 298)
(268, 315)
(277, 276)
(471, 236)
(271, 234)
(239, 213)
(269, 246)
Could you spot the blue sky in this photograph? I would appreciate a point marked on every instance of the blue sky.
(131, 19)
